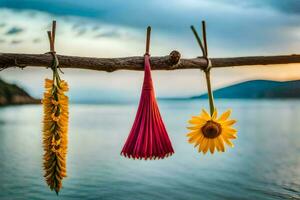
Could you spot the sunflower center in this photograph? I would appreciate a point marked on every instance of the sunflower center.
(211, 129)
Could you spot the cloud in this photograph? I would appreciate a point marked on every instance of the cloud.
(286, 6)
(14, 31)
(16, 41)
(235, 27)
(30, 27)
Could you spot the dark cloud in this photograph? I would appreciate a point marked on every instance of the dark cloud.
(14, 31)
(95, 28)
(157, 13)
(110, 34)
(81, 32)
(16, 41)
(246, 26)
(285, 6)
(37, 40)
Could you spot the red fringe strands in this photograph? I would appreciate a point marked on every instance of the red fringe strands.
(148, 137)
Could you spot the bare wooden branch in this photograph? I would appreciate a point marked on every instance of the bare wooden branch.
(170, 62)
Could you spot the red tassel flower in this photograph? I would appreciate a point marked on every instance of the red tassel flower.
(148, 137)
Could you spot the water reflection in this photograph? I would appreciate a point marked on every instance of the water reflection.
(264, 164)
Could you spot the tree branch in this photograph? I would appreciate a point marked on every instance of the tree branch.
(170, 62)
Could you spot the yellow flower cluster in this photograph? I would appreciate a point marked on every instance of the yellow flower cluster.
(55, 131)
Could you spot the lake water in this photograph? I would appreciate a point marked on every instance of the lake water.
(264, 164)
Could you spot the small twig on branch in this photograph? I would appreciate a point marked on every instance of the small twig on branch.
(170, 62)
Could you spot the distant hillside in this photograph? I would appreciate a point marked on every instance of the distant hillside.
(11, 94)
(258, 89)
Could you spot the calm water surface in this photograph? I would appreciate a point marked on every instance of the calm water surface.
(265, 163)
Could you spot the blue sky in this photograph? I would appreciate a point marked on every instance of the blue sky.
(117, 28)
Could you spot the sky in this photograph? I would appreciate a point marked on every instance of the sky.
(117, 28)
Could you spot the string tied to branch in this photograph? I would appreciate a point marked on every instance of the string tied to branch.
(204, 49)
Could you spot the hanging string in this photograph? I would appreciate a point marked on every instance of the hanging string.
(55, 62)
(208, 67)
(148, 40)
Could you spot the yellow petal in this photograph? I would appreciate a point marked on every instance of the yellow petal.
(215, 114)
(190, 134)
(230, 130)
(197, 120)
(203, 143)
(212, 146)
(229, 122)
(225, 115)
(205, 115)
(48, 83)
(230, 136)
(227, 141)
(205, 146)
(194, 128)
(194, 138)
(221, 143)
(217, 144)
(199, 148)
(198, 141)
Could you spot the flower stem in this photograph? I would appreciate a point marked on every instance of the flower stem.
(209, 92)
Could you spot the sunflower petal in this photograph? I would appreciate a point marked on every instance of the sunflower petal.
(212, 146)
(215, 114)
(221, 143)
(230, 136)
(193, 128)
(228, 142)
(197, 120)
(194, 138)
(205, 115)
(217, 144)
(230, 130)
(229, 122)
(205, 146)
(198, 141)
(199, 148)
(190, 134)
(225, 115)
(203, 143)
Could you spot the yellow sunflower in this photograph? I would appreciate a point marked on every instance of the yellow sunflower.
(210, 132)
